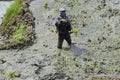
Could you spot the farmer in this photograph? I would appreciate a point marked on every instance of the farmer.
(63, 28)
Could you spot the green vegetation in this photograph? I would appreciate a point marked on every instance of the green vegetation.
(45, 5)
(13, 74)
(75, 31)
(13, 26)
(12, 11)
(85, 64)
(18, 35)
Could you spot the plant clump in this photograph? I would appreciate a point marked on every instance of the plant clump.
(19, 35)
(45, 5)
(75, 31)
(13, 74)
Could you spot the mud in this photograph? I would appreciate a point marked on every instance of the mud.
(94, 54)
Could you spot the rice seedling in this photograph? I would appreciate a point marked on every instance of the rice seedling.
(45, 5)
(18, 35)
(111, 69)
(75, 31)
(98, 65)
(11, 74)
(118, 69)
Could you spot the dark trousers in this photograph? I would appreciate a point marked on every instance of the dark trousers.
(61, 38)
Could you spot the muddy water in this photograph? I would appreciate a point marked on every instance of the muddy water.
(3, 6)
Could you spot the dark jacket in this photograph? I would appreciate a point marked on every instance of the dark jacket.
(63, 27)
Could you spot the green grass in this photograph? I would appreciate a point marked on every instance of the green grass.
(12, 11)
(18, 35)
(45, 5)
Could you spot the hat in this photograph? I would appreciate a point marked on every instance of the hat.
(62, 9)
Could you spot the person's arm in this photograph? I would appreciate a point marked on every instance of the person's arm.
(56, 24)
(69, 25)
(70, 30)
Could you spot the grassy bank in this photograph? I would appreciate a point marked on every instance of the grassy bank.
(15, 24)
(12, 11)
(9, 17)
